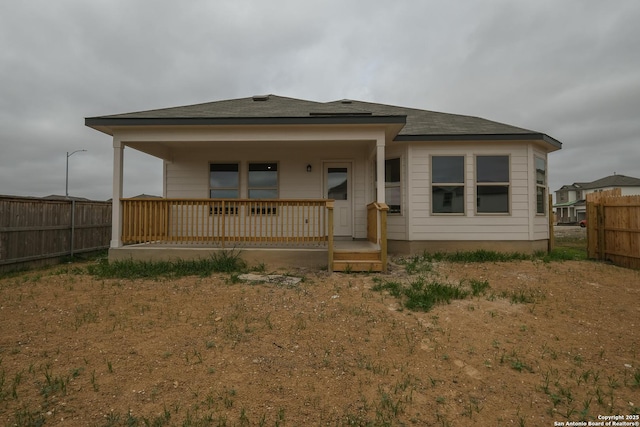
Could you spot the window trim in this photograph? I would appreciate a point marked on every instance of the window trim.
(449, 184)
(507, 184)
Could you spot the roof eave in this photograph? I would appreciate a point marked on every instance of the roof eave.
(101, 123)
(482, 137)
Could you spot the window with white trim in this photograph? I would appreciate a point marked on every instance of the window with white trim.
(263, 181)
(447, 184)
(224, 181)
(492, 184)
(541, 185)
(392, 188)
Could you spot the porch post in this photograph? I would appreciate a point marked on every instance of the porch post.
(380, 193)
(382, 214)
(380, 171)
(116, 213)
(330, 205)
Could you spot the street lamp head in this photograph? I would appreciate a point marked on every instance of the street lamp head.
(66, 185)
(73, 152)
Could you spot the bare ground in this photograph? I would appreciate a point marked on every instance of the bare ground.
(549, 342)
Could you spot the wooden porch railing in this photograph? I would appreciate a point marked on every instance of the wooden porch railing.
(227, 221)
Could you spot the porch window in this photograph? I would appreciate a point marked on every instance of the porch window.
(447, 184)
(541, 185)
(263, 180)
(492, 184)
(224, 181)
(263, 184)
(393, 192)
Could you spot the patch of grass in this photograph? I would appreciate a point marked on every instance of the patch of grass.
(53, 384)
(218, 262)
(394, 288)
(566, 249)
(423, 295)
(478, 287)
(26, 417)
(564, 254)
(480, 255)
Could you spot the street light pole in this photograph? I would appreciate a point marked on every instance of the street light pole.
(66, 184)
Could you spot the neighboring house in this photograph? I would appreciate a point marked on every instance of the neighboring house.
(336, 179)
(570, 207)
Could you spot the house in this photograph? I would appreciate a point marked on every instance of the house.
(337, 183)
(570, 207)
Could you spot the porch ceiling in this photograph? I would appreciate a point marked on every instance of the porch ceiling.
(164, 149)
(162, 142)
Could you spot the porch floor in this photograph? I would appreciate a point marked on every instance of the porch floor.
(338, 245)
(349, 255)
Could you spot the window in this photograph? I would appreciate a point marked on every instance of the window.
(541, 185)
(223, 181)
(392, 187)
(263, 181)
(492, 180)
(447, 184)
(338, 183)
(263, 184)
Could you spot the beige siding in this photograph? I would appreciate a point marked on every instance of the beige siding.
(423, 225)
(187, 175)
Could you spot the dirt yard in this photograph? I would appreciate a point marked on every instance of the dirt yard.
(548, 342)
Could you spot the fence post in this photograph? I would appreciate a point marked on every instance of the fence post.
(552, 236)
(601, 222)
(592, 222)
(73, 226)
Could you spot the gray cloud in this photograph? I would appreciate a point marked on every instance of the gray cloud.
(569, 69)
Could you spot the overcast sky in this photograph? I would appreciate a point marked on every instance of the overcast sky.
(570, 69)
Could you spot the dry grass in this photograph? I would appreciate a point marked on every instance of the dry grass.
(543, 342)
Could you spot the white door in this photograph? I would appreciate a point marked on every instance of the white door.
(337, 186)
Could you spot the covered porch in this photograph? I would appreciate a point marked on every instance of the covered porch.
(265, 173)
(283, 232)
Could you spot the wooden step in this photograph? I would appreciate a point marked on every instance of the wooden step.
(357, 265)
(357, 256)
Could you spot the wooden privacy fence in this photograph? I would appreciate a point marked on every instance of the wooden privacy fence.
(613, 228)
(226, 221)
(34, 231)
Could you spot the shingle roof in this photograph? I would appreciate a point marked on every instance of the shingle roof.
(273, 109)
(613, 181)
(253, 107)
(424, 122)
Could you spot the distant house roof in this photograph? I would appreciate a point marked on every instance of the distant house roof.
(419, 125)
(572, 203)
(58, 197)
(614, 180)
